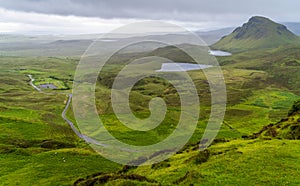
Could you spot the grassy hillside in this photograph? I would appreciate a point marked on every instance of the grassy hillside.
(37, 147)
(258, 32)
(287, 128)
(236, 162)
(261, 87)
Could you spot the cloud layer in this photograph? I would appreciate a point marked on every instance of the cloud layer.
(182, 10)
(112, 13)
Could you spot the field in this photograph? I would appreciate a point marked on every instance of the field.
(37, 147)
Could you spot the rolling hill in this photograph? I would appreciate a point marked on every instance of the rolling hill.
(258, 32)
(287, 128)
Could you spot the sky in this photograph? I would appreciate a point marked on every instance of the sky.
(101, 16)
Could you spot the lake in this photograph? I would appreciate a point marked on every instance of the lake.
(219, 53)
(181, 67)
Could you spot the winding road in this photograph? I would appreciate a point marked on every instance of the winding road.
(63, 114)
(71, 124)
(31, 83)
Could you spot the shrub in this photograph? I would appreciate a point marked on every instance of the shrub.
(203, 156)
(295, 108)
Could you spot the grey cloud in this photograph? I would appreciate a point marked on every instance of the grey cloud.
(181, 10)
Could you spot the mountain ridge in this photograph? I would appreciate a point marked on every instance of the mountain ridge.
(258, 32)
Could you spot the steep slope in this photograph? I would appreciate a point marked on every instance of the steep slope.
(287, 128)
(258, 32)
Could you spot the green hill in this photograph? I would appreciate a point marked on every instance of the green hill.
(287, 128)
(258, 32)
(234, 162)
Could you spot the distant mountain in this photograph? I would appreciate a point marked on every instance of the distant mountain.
(294, 27)
(211, 37)
(258, 32)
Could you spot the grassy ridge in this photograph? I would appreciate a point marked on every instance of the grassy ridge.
(235, 162)
(239, 162)
(258, 32)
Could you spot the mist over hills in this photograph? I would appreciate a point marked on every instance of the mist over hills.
(294, 27)
(259, 32)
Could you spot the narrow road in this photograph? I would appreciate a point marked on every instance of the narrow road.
(82, 136)
(71, 124)
(63, 115)
(31, 83)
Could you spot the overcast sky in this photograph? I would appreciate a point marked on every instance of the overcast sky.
(98, 16)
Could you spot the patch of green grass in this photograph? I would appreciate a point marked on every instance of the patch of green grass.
(59, 84)
(58, 167)
(30, 71)
(32, 128)
(237, 162)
